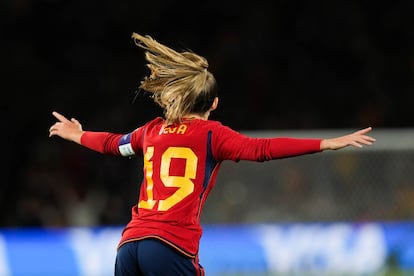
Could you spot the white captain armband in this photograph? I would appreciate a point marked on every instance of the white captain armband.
(125, 147)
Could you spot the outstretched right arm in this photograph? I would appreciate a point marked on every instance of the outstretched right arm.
(231, 145)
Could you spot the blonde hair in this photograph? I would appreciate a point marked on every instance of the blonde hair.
(179, 82)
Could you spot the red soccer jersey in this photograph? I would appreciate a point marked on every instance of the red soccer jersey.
(180, 167)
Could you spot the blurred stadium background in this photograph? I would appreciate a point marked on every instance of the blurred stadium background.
(299, 68)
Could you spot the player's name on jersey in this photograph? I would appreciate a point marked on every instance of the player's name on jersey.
(180, 129)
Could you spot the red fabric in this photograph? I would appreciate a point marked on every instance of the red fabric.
(180, 168)
(103, 142)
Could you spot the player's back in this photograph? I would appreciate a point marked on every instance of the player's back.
(179, 172)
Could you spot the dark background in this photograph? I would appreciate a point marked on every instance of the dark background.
(279, 65)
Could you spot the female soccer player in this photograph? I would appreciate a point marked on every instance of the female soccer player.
(182, 153)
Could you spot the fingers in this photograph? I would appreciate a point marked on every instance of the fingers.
(364, 131)
(360, 139)
(362, 142)
(76, 122)
(369, 138)
(63, 124)
(356, 139)
(356, 144)
(55, 127)
(52, 130)
(60, 117)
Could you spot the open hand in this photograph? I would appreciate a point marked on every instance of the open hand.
(357, 139)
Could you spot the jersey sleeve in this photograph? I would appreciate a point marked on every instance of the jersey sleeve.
(113, 143)
(232, 145)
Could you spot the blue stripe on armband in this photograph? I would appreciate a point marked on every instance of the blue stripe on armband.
(125, 147)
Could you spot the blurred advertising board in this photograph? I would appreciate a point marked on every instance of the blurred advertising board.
(239, 249)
